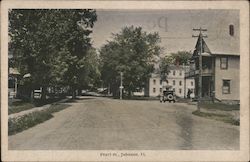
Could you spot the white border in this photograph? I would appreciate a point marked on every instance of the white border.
(152, 155)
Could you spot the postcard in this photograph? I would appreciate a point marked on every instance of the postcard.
(125, 80)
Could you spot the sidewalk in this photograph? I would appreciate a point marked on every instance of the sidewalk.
(44, 107)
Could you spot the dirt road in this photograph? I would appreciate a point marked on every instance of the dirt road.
(101, 123)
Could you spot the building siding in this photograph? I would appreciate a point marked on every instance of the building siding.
(232, 73)
(155, 86)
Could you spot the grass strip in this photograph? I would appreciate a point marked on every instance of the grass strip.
(220, 106)
(219, 117)
(24, 122)
(19, 106)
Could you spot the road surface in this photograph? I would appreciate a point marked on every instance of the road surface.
(106, 124)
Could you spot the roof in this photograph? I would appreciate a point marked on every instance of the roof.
(219, 41)
(179, 67)
(224, 47)
(155, 75)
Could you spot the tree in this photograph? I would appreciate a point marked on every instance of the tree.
(179, 58)
(133, 52)
(49, 44)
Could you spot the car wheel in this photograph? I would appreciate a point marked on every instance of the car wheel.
(170, 97)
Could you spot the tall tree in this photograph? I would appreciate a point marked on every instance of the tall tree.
(50, 43)
(179, 58)
(132, 52)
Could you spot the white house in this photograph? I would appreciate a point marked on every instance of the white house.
(176, 81)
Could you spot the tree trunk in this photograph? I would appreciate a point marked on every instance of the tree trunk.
(43, 97)
(79, 92)
(73, 93)
(32, 96)
(129, 93)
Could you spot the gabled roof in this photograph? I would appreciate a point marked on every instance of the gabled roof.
(205, 49)
(220, 40)
(220, 47)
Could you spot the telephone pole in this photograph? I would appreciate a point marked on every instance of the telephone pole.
(121, 86)
(200, 36)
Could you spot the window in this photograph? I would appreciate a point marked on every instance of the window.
(160, 82)
(154, 81)
(174, 89)
(226, 87)
(160, 90)
(223, 62)
(167, 81)
(154, 90)
(180, 90)
(231, 30)
(192, 83)
(173, 82)
(180, 83)
(180, 73)
(174, 72)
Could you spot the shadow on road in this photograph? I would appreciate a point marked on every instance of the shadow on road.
(78, 99)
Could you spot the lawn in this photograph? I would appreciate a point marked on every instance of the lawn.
(19, 106)
(220, 106)
(226, 118)
(19, 124)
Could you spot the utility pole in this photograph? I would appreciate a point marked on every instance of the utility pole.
(200, 36)
(121, 86)
(184, 67)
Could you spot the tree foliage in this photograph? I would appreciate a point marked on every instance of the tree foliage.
(179, 58)
(132, 52)
(51, 44)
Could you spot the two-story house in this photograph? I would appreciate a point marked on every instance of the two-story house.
(220, 65)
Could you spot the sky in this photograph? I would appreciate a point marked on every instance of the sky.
(174, 26)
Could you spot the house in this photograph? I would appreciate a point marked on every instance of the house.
(220, 65)
(180, 85)
(176, 81)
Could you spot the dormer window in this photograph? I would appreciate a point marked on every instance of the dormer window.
(231, 30)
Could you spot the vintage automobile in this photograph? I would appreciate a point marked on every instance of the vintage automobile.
(168, 95)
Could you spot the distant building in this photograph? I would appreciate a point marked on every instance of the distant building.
(176, 81)
(139, 92)
(220, 65)
(12, 82)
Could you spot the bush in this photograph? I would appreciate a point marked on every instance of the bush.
(16, 125)
(19, 124)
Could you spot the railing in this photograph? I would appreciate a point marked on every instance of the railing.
(207, 71)
(193, 73)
